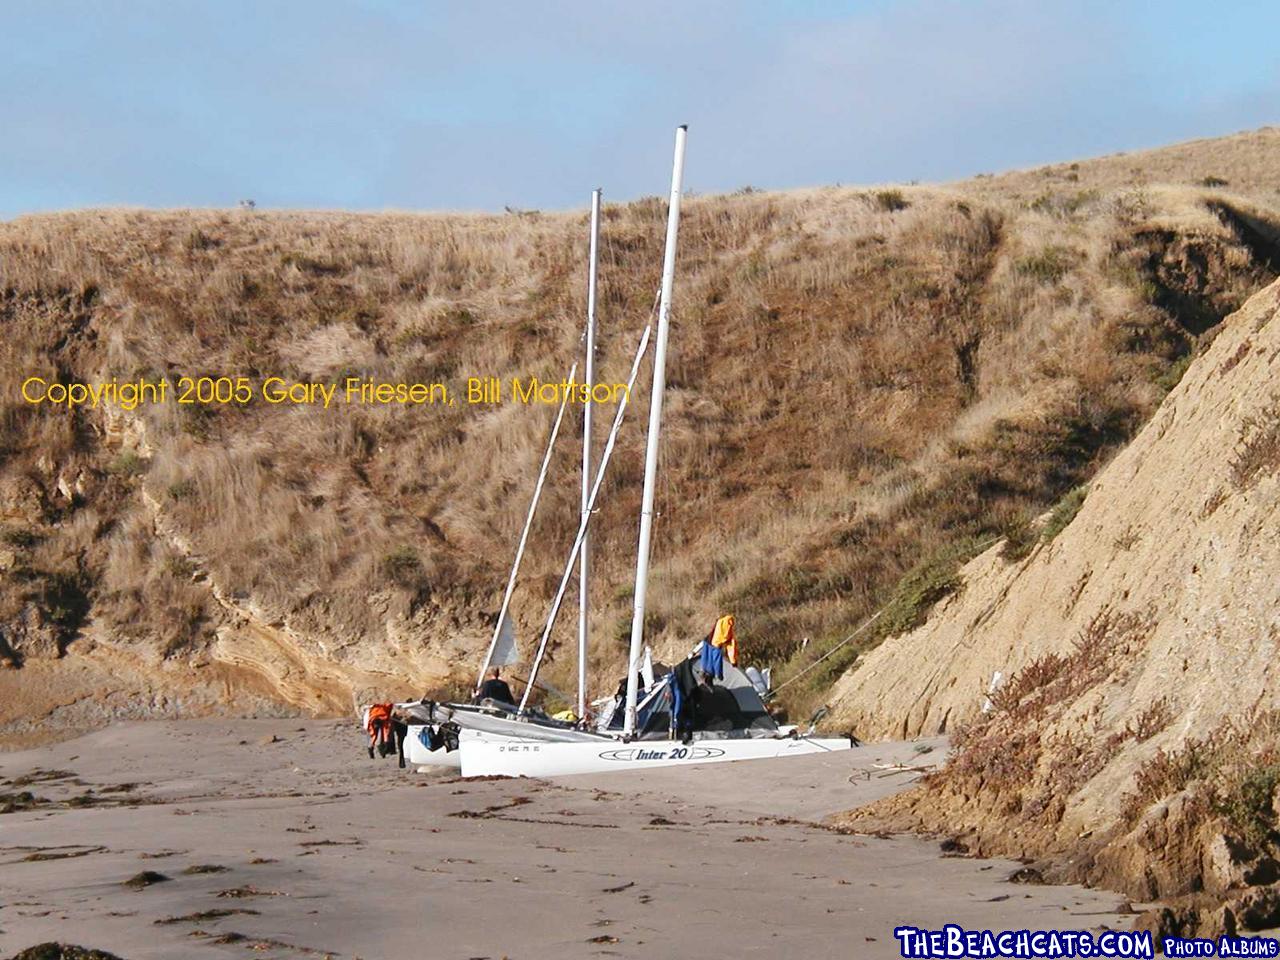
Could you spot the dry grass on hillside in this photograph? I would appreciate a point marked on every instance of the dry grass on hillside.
(860, 382)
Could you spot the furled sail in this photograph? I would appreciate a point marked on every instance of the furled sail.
(504, 651)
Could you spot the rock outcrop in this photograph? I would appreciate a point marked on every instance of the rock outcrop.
(1136, 734)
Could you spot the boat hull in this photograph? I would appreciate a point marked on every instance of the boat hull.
(417, 741)
(417, 750)
(484, 757)
(506, 728)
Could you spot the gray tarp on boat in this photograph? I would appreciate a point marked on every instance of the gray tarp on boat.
(730, 708)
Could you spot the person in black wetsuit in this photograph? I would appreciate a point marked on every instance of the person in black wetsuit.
(495, 688)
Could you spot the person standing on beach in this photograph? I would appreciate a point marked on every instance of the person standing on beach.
(495, 688)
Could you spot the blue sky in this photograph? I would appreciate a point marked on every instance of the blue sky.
(478, 104)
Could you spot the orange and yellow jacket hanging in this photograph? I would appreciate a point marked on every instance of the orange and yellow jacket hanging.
(723, 636)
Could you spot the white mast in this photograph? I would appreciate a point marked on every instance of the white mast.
(524, 534)
(655, 425)
(586, 519)
(586, 451)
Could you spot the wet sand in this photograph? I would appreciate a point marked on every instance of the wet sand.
(302, 847)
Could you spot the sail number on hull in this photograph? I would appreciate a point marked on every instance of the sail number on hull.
(630, 754)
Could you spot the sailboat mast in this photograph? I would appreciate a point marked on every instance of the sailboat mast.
(524, 535)
(572, 561)
(655, 426)
(583, 563)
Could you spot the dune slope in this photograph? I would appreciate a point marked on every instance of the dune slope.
(1136, 733)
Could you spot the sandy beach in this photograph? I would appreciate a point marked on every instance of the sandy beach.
(279, 838)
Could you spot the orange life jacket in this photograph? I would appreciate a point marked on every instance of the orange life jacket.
(379, 723)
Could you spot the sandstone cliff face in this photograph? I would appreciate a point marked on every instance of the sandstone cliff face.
(1136, 736)
(1179, 530)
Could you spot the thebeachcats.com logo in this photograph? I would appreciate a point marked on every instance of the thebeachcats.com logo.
(1222, 947)
(956, 941)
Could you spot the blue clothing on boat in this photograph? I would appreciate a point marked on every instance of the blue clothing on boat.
(712, 661)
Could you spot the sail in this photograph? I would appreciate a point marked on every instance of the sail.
(504, 651)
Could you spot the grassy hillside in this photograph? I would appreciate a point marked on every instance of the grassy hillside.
(865, 386)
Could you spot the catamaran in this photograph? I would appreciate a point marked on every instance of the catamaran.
(731, 722)
(440, 729)
(662, 728)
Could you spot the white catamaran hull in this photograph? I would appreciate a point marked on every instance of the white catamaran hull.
(417, 750)
(417, 742)
(486, 757)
